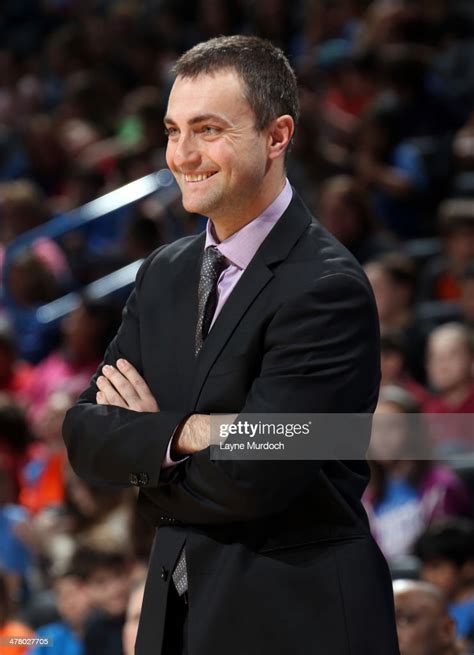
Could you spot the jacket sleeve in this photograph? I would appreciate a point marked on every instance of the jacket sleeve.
(321, 356)
(107, 445)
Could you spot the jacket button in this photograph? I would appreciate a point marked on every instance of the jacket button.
(133, 479)
(164, 574)
(142, 479)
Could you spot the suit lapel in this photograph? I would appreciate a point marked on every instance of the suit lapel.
(183, 325)
(258, 274)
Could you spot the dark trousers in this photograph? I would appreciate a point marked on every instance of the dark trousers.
(175, 637)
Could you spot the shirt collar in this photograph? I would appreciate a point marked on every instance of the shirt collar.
(241, 246)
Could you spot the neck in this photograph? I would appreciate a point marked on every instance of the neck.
(227, 225)
(458, 394)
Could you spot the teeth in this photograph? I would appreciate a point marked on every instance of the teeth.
(197, 178)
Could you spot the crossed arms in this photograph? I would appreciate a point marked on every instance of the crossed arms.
(123, 386)
(320, 356)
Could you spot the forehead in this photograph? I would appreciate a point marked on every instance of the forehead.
(448, 341)
(221, 93)
(417, 602)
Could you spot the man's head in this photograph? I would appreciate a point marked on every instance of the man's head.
(450, 356)
(72, 600)
(393, 281)
(392, 358)
(456, 226)
(446, 554)
(105, 573)
(423, 624)
(230, 119)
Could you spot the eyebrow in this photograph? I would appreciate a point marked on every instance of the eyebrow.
(202, 118)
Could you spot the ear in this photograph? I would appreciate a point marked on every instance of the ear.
(279, 135)
(447, 628)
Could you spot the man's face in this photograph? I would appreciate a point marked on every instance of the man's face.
(423, 627)
(73, 601)
(443, 574)
(449, 361)
(108, 590)
(214, 150)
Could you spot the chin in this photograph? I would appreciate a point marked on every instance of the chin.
(195, 207)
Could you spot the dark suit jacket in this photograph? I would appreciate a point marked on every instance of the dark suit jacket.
(279, 555)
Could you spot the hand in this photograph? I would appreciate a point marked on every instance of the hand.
(123, 386)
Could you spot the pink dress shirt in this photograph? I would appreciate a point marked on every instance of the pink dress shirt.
(239, 250)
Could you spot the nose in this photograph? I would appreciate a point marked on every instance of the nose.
(182, 153)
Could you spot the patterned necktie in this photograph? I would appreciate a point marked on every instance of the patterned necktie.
(213, 263)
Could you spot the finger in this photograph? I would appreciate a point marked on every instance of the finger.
(122, 385)
(100, 398)
(110, 393)
(135, 379)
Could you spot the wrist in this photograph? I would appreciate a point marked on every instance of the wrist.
(191, 436)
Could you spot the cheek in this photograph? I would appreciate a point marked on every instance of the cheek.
(169, 155)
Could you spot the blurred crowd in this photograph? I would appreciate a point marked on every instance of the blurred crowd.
(384, 157)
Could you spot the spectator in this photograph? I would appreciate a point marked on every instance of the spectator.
(15, 557)
(15, 374)
(30, 285)
(345, 212)
(450, 357)
(23, 208)
(440, 279)
(349, 83)
(85, 334)
(65, 637)
(394, 368)
(15, 437)
(392, 172)
(42, 476)
(424, 626)
(9, 626)
(408, 491)
(106, 573)
(88, 514)
(404, 70)
(446, 552)
(393, 279)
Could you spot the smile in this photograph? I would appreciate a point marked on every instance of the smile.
(198, 178)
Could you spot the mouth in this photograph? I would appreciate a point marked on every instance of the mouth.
(198, 177)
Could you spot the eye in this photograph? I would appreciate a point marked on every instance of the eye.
(209, 130)
(170, 132)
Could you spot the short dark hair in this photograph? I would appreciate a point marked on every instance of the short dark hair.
(451, 540)
(399, 268)
(455, 214)
(87, 560)
(270, 83)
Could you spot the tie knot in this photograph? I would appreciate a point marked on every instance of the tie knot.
(213, 264)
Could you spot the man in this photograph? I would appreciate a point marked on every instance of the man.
(423, 623)
(250, 557)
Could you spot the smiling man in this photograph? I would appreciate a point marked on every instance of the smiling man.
(264, 312)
